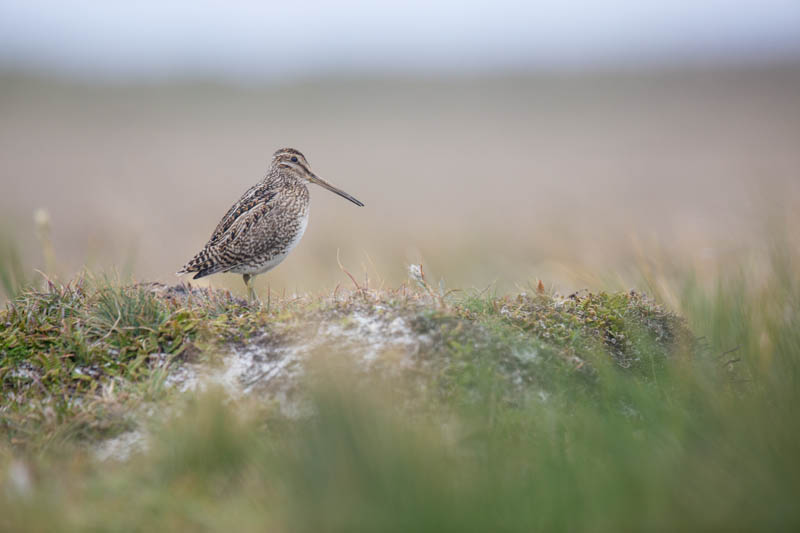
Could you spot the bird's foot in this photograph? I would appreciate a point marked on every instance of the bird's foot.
(253, 298)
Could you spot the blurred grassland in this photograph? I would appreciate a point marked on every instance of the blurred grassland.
(564, 177)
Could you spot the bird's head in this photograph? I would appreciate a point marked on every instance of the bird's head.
(291, 161)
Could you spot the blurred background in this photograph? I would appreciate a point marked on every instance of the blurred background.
(496, 142)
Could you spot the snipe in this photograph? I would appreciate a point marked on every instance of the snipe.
(267, 222)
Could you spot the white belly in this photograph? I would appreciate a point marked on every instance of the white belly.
(276, 260)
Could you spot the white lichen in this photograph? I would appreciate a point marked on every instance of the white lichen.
(270, 367)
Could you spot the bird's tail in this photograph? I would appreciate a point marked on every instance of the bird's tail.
(203, 264)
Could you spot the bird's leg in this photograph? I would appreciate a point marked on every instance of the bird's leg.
(251, 293)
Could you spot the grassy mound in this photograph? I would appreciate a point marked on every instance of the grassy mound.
(596, 411)
(73, 342)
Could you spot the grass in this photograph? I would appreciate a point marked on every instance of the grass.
(599, 412)
(63, 348)
(12, 273)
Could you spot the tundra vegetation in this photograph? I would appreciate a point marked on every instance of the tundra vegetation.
(406, 409)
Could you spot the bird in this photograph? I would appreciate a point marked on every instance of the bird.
(265, 224)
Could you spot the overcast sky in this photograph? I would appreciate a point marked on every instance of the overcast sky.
(264, 40)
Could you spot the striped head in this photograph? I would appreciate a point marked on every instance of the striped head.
(292, 162)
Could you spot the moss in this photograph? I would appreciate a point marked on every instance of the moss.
(626, 325)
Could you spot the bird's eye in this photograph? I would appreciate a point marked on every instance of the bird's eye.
(294, 159)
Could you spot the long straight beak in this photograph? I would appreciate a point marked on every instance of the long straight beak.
(321, 182)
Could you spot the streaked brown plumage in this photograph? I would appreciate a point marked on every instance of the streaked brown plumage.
(267, 222)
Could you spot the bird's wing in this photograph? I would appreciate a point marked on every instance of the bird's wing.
(244, 212)
(221, 252)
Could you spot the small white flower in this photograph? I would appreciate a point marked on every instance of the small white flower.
(415, 272)
(41, 218)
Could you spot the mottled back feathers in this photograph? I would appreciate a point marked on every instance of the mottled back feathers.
(255, 229)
